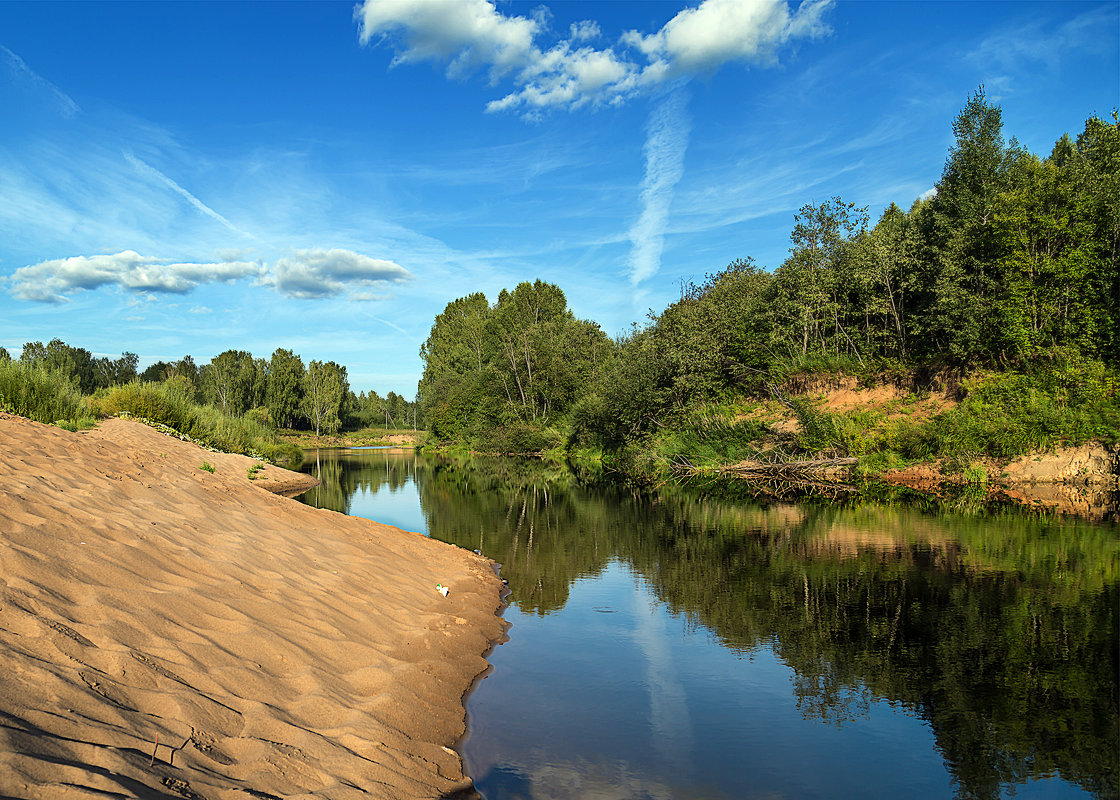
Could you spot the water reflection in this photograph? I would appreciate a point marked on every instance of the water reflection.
(997, 634)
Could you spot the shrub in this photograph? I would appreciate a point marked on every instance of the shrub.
(520, 437)
(169, 404)
(40, 394)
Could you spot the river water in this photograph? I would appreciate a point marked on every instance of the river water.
(684, 645)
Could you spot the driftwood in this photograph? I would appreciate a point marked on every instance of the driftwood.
(779, 479)
(776, 470)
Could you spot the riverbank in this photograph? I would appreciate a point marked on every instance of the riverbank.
(167, 630)
(367, 437)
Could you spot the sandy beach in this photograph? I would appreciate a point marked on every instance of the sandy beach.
(271, 650)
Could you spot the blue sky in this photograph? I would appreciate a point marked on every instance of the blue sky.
(325, 177)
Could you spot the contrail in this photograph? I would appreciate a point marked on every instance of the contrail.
(69, 107)
(666, 142)
(190, 198)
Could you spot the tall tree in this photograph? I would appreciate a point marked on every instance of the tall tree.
(962, 321)
(110, 371)
(229, 381)
(324, 389)
(155, 373)
(285, 387)
(76, 362)
(809, 288)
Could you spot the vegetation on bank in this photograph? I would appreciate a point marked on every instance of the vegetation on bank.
(235, 403)
(280, 392)
(363, 437)
(1001, 291)
(52, 396)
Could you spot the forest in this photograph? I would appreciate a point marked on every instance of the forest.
(280, 392)
(1004, 284)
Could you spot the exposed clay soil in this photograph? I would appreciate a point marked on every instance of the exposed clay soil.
(1075, 480)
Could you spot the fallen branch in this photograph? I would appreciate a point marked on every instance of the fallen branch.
(776, 470)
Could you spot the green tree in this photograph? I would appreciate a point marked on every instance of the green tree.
(962, 320)
(712, 335)
(57, 356)
(112, 372)
(285, 387)
(883, 282)
(456, 353)
(324, 389)
(808, 290)
(230, 381)
(155, 373)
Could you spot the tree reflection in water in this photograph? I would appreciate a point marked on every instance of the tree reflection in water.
(998, 629)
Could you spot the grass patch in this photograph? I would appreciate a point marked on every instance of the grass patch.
(168, 405)
(46, 396)
(206, 466)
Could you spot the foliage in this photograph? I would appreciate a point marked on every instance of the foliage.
(206, 466)
(519, 438)
(170, 404)
(234, 381)
(325, 392)
(286, 377)
(40, 393)
(502, 376)
(87, 372)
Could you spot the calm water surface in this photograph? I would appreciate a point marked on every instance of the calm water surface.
(684, 646)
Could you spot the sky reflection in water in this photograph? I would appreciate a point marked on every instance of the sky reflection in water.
(688, 648)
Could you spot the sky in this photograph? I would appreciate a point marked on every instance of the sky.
(187, 178)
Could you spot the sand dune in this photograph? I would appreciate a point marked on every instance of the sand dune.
(275, 650)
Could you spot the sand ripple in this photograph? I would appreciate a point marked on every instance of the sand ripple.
(275, 650)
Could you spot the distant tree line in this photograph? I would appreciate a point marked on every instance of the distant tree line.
(280, 392)
(1013, 261)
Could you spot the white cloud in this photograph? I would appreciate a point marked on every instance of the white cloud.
(567, 78)
(471, 34)
(305, 274)
(718, 31)
(309, 274)
(666, 142)
(585, 31)
(51, 281)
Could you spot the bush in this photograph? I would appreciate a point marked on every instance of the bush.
(520, 438)
(260, 416)
(708, 437)
(168, 404)
(40, 394)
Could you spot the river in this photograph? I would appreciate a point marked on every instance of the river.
(686, 645)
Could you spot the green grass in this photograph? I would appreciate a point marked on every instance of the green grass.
(206, 466)
(42, 395)
(166, 404)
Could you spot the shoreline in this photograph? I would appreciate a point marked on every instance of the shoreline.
(170, 631)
